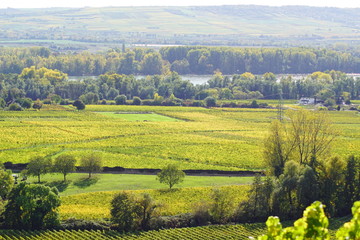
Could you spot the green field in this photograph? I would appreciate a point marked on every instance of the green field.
(219, 139)
(80, 183)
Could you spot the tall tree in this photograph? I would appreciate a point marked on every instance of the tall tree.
(171, 175)
(38, 166)
(91, 163)
(64, 164)
(32, 207)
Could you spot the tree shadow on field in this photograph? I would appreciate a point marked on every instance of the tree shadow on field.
(85, 182)
(60, 185)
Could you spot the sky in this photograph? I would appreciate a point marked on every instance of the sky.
(106, 3)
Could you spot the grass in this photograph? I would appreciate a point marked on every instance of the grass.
(80, 183)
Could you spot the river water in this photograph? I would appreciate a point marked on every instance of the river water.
(201, 79)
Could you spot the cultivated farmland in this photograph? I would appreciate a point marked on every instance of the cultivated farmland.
(193, 138)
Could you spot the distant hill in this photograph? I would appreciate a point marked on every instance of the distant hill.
(214, 25)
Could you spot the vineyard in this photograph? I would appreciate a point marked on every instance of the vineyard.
(238, 231)
(242, 231)
(200, 138)
(96, 205)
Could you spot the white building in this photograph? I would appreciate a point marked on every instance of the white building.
(306, 101)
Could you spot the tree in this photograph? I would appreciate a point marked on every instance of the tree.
(222, 207)
(124, 211)
(24, 102)
(6, 183)
(151, 64)
(64, 164)
(171, 175)
(277, 149)
(210, 102)
(120, 100)
(312, 134)
(79, 104)
(146, 207)
(38, 166)
(2, 103)
(89, 98)
(15, 107)
(136, 101)
(308, 187)
(305, 138)
(91, 163)
(32, 207)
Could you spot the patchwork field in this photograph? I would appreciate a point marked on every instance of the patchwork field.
(193, 138)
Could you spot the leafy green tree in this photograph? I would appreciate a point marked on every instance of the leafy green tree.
(32, 207)
(308, 187)
(120, 100)
(91, 163)
(151, 64)
(289, 183)
(38, 166)
(55, 98)
(171, 175)
(349, 192)
(112, 93)
(277, 149)
(260, 200)
(332, 180)
(79, 104)
(89, 98)
(222, 207)
(6, 183)
(210, 102)
(124, 212)
(146, 208)
(64, 164)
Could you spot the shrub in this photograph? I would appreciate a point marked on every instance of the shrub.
(24, 102)
(210, 102)
(120, 100)
(15, 107)
(136, 101)
(79, 105)
(82, 224)
(37, 104)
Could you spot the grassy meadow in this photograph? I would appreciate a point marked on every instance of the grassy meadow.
(77, 183)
